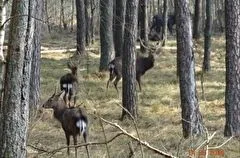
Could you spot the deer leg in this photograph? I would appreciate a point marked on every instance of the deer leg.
(111, 77)
(139, 82)
(65, 97)
(69, 100)
(68, 142)
(116, 82)
(75, 143)
(75, 100)
(85, 140)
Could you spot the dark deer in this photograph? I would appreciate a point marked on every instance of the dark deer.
(74, 120)
(69, 83)
(143, 64)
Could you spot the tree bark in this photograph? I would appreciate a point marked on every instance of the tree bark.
(196, 20)
(62, 17)
(2, 37)
(129, 59)
(72, 15)
(47, 16)
(92, 23)
(87, 18)
(143, 24)
(15, 109)
(159, 7)
(2, 28)
(119, 26)
(165, 19)
(191, 116)
(203, 14)
(207, 37)
(36, 57)
(81, 27)
(232, 93)
(106, 33)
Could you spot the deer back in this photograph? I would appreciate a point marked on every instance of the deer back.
(70, 118)
(69, 82)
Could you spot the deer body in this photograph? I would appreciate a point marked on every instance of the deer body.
(142, 65)
(69, 83)
(74, 121)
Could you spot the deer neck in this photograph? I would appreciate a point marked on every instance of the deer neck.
(150, 61)
(59, 110)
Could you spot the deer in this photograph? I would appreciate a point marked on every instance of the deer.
(143, 64)
(69, 83)
(74, 120)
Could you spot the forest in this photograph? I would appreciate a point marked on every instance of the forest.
(119, 78)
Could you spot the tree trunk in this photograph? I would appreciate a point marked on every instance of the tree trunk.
(143, 24)
(191, 116)
(2, 37)
(72, 15)
(106, 33)
(15, 109)
(165, 20)
(129, 59)
(81, 27)
(2, 28)
(63, 16)
(232, 94)
(207, 37)
(119, 26)
(153, 7)
(87, 18)
(196, 21)
(203, 14)
(159, 7)
(47, 16)
(36, 57)
(150, 10)
(92, 21)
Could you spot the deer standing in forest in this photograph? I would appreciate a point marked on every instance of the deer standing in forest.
(143, 64)
(69, 83)
(74, 120)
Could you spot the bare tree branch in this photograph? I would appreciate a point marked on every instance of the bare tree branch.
(219, 146)
(52, 152)
(135, 126)
(144, 143)
(17, 16)
(105, 137)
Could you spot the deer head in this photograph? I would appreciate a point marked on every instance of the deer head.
(54, 99)
(73, 68)
(153, 50)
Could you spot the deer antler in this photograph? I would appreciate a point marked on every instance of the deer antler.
(155, 48)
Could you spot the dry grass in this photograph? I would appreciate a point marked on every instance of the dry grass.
(159, 120)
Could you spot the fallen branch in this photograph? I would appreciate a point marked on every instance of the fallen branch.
(105, 137)
(37, 148)
(219, 146)
(135, 126)
(52, 152)
(137, 139)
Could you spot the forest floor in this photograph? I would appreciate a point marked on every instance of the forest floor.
(159, 121)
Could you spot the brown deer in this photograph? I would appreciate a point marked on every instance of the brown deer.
(143, 64)
(69, 83)
(74, 120)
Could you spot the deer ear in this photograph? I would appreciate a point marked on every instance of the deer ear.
(69, 65)
(53, 95)
(62, 94)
